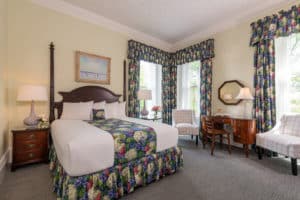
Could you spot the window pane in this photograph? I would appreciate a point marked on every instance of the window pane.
(287, 72)
(188, 86)
(150, 78)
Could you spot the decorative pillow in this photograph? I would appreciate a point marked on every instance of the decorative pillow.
(80, 111)
(98, 114)
(99, 105)
(111, 110)
(115, 110)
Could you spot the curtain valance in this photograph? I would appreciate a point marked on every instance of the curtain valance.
(282, 24)
(140, 51)
(201, 51)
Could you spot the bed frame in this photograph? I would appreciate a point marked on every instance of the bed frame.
(139, 172)
(81, 94)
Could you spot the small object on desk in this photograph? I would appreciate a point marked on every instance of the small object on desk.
(30, 145)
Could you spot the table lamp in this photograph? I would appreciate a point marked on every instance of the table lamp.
(245, 94)
(32, 93)
(144, 95)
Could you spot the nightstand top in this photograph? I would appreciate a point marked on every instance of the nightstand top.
(28, 129)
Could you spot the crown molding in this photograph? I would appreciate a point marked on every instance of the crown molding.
(85, 15)
(93, 18)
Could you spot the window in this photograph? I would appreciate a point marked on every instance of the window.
(150, 78)
(188, 86)
(287, 74)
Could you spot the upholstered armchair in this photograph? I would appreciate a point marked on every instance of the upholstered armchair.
(184, 121)
(283, 139)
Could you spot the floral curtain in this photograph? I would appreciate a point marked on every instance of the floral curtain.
(264, 31)
(169, 85)
(137, 51)
(205, 87)
(133, 87)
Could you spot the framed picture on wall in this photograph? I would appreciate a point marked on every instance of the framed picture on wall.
(92, 68)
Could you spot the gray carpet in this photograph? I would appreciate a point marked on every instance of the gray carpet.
(220, 177)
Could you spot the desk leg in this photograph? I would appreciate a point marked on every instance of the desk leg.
(246, 149)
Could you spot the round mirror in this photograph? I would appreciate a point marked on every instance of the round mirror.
(228, 91)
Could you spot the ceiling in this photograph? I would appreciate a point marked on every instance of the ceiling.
(169, 22)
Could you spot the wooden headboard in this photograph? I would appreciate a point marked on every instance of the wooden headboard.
(81, 94)
(84, 94)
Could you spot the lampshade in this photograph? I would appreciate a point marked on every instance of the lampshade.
(144, 94)
(32, 93)
(244, 94)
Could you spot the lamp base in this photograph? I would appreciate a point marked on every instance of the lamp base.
(144, 112)
(32, 119)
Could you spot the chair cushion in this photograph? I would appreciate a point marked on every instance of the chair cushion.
(187, 129)
(290, 125)
(288, 145)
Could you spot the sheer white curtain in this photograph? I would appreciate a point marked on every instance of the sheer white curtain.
(282, 74)
(287, 75)
(150, 78)
(188, 87)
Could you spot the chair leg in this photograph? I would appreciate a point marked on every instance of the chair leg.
(203, 140)
(197, 140)
(294, 166)
(229, 145)
(212, 145)
(259, 152)
(221, 141)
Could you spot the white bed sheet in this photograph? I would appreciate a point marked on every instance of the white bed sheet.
(82, 148)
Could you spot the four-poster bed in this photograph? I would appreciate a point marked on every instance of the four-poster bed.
(80, 159)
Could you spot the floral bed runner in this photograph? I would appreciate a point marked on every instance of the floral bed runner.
(131, 140)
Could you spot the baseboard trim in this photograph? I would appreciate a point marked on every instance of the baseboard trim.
(4, 160)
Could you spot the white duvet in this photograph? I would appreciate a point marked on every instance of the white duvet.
(82, 148)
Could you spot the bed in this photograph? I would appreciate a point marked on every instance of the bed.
(106, 158)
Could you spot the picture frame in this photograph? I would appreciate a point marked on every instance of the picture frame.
(91, 68)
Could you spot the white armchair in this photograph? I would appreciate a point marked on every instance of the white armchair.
(184, 121)
(283, 139)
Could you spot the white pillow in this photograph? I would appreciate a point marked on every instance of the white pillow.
(99, 105)
(115, 110)
(111, 110)
(81, 111)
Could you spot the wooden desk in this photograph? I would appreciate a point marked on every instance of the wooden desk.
(244, 130)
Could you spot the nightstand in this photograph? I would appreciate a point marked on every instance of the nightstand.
(30, 145)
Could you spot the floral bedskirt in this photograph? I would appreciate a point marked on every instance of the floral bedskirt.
(117, 181)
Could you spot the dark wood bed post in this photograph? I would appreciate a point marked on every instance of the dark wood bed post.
(52, 113)
(124, 80)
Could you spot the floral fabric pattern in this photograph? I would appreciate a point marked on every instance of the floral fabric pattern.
(133, 87)
(206, 87)
(282, 24)
(169, 85)
(131, 140)
(201, 51)
(116, 181)
(137, 51)
(264, 31)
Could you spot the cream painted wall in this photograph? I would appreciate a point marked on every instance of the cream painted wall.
(30, 30)
(3, 78)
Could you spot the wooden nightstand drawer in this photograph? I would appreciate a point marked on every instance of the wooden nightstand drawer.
(34, 135)
(30, 156)
(28, 145)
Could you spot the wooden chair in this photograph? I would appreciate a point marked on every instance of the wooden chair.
(210, 131)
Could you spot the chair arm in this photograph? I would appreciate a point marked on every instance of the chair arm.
(273, 130)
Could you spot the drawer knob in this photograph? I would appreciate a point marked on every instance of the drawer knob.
(31, 145)
(31, 155)
(32, 136)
